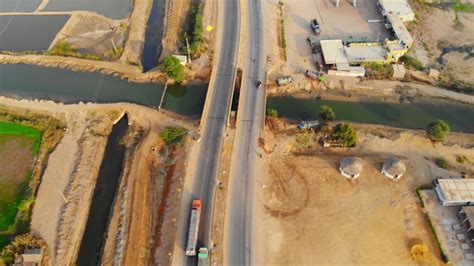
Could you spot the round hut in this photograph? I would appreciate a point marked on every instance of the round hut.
(393, 168)
(350, 167)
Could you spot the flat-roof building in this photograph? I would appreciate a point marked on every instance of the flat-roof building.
(452, 192)
(401, 32)
(401, 8)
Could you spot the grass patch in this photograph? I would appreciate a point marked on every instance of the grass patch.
(412, 63)
(63, 48)
(378, 70)
(194, 30)
(282, 31)
(17, 197)
(442, 163)
(460, 158)
(8, 128)
(173, 135)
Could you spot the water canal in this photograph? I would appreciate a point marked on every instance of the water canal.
(61, 85)
(460, 117)
(90, 251)
(154, 33)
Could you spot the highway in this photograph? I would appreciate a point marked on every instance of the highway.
(238, 237)
(201, 181)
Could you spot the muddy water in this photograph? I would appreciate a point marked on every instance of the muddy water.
(19, 5)
(154, 32)
(60, 85)
(90, 251)
(414, 116)
(29, 33)
(115, 9)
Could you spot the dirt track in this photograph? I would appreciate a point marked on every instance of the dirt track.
(313, 215)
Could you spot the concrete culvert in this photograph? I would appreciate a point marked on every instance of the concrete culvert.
(393, 168)
(350, 167)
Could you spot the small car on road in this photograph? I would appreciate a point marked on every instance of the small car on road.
(315, 26)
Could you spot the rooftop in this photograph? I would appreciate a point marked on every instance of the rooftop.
(357, 54)
(351, 166)
(400, 30)
(400, 8)
(457, 190)
(333, 52)
(469, 211)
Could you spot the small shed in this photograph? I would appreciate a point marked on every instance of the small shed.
(183, 60)
(398, 71)
(393, 168)
(30, 257)
(350, 167)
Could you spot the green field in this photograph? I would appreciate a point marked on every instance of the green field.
(19, 146)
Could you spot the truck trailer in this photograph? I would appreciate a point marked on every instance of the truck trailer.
(193, 228)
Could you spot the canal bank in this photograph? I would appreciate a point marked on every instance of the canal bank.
(90, 250)
(412, 116)
(60, 85)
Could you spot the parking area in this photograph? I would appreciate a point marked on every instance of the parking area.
(345, 22)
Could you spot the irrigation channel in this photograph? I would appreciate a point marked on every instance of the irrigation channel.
(460, 117)
(154, 34)
(90, 251)
(60, 85)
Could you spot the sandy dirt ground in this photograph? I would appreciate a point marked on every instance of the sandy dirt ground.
(89, 33)
(313, 215)
(64, 195)
(343, 22)
(437, 31)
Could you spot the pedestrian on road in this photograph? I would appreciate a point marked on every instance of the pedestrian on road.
(254, 61)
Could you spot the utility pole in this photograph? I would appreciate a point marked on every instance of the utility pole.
(189, 50)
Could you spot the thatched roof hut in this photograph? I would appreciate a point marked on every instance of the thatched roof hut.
(393, 168)
(350, 167)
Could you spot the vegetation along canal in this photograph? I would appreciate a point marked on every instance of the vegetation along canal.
(60, 85)
(104, 195)
(414, 116)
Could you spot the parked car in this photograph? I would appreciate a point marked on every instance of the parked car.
(312, 74)
(313, 42)
(285, 80)
(315, 26)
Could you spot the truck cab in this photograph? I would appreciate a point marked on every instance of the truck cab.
(203, 257)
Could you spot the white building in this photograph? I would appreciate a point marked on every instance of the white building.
(183, 60)
(401, 8)
(452, 192)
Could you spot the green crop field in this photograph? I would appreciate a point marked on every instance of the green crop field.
(19, 146)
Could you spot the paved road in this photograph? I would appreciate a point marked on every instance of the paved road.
(238, 249)
(202, 182)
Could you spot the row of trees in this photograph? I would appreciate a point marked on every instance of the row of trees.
(346, 134)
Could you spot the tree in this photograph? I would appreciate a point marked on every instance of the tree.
(173, 68)
(326, 114)
(272, 112)
(345, 134)
(172, 135)
(437, 130)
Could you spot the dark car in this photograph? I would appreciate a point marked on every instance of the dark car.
(315, 26)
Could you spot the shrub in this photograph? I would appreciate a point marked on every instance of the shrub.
(461, 158)
(303, 139)
(272, 112)
(411, 62)
(173, 135)
(345, 134)
(442, 163)
(326, 114)
(173, 68)
(437, 130)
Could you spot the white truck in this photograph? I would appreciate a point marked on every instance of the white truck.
(193, 228)
(203, 255)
